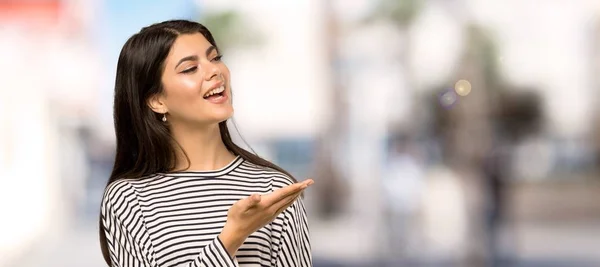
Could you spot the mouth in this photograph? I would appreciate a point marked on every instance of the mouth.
(217, 95)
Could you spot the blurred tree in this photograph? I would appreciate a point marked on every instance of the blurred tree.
(401, 14)
(331, 188)
(477, 130)
(465, 131)
(465, 127)
(230, 30)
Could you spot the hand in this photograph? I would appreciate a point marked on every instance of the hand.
(252, 213)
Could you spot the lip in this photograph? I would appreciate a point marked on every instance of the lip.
(220, 100)
(214, 86)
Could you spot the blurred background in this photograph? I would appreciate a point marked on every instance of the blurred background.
(439, 132)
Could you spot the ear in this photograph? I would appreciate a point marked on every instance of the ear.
(157, 104)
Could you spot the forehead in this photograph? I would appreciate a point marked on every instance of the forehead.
(187, 45)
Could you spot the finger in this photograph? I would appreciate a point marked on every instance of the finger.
(308, 182)
(300, 186)
(290, 201)
(252, 201)
(284, 203)
(282, 193)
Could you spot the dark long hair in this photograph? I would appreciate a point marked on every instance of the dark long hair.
(144, 143)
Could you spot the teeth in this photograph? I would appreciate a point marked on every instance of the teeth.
(215, 91)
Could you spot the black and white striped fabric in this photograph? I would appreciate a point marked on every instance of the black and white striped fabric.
(173, 219)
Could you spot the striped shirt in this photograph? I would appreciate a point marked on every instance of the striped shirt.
(174, 219)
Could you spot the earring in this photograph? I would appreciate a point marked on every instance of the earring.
(164, 118)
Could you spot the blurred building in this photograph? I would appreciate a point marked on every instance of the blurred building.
(29, 194)
(595, 73)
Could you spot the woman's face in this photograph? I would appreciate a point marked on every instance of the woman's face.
(195, 81)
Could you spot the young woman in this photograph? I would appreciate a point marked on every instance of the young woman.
(181, 193)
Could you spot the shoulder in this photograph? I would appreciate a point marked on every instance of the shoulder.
(123, 190)
(278, 178)
(117, 192)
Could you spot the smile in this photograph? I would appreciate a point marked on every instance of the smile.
(215, 92)
(217, 95)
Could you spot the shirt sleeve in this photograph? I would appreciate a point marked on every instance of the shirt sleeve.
(128, 240)
(295, 249)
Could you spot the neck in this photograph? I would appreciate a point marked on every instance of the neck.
(203, 147)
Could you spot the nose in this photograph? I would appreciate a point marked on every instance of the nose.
(213, 71)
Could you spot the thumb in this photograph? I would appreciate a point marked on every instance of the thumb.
(253, 200)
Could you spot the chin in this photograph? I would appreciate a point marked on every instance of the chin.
(222, 116)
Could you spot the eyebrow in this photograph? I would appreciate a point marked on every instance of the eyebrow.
(209, 50)
(194, 57)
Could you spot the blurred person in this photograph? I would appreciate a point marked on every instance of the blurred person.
(402, 188)
(518, 116)
(181, 193)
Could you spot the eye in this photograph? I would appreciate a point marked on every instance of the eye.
(190, 70)
(217, 58)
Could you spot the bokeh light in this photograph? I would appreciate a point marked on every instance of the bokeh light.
(462, 87)
(448, 98)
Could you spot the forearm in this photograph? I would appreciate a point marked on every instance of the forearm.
(232, 240)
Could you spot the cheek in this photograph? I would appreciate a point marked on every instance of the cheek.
(187, 90)
(184, 92)
(191, 87)
(225, 72)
